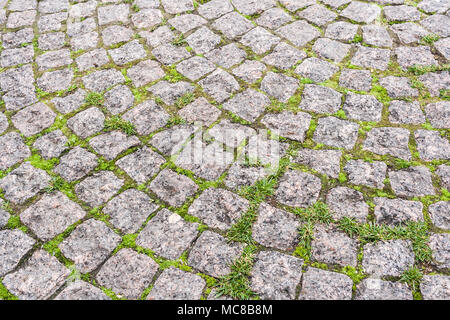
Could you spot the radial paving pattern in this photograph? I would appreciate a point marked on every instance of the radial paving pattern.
(180, 149)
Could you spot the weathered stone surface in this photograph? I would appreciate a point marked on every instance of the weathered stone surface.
(240, 175)
(213, 255)
(409, 32)
(288, 124)
(346, 202)
(412, 182)
(195, 68)
(80, 290)
(231, 134)
(141, 165)
(76, 164)
(101, 80)
(116, 34)
(214, 9)
(361, 12)
(113, 13)
(275, 276)
(227, 56)
(232, 25)
(362, 107)
(284, 56)
(397, 211)
(248, 105)
(219, 85)
(377, 289)
(376, 36)
(432, 146)
(70, 102)
(171, 92)
(320, 99)
(298, 189)
(435, 287)
(178, 6)
(370, 174)
(374, 58)
(439, 244)
(405, 112)
(439, 214)
(411, 56)
(438, 24)
(87, 122)
(203, 40)
(299, 33)
(259, 40)
(111, 144)
(119, 99)
(168, 235)
(356, 79)
(316, 69)
(343, 31)
(273, 18)
(13, 149)
(386, 140)
(89, 245)
(250, 71)
(127, 53)
(51, 215)
(336, 132)
(41, 276)
(98, 188)
(172, 140)
(279, 86)
(438, 114)
(174, 284)
(33, 119)
(319, 284)
(14, 244)
(323, 161)
(128, 273)
(389, 258)
(443, 171)
(200, 111)
(147, 117)
(331, 49)
(173, 188)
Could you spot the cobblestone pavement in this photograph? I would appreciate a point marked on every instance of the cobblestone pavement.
(322, 126)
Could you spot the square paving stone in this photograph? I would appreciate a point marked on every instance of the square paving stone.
(4, 216)
(397, 211)
(436, 81)
(173, 188)
(129, 210)
(275, 228)
(250, 7)
(320, 284)
(409, 32)
(168, 235)
(440, 244)
(434, 6)
(362, 107)
(323, 161)
(84, 41)
(370, 174)
(127, 53)
(231, 134)
(405, 112)
(443, 46)
(294, 5)
(388, 258)
(147, 117)
(195, 68)
(111, 144)
(23, 183)
(13, 150)
(169, 54)
(98, 188)
(432, 146)
(187, 22)
(116, 34)
(175, 284)
(200, 111)
(275, 275)
(51, 215)
(3, 123)
(171, 141)
(113, 13)
(299, 33)
(361, 12)
(82, 10)
(76, 164)
(259, 40)
(376, 36)
(412, 182)
(147, 18)
(409, 56)
(161, 35)
(401, 13)
(54, 59)
(219, 208)
(87, 122)
(316, 69)
(89, 245)
(439, 214)
(279, 86)
(52, 22)
(298, 189)
(21, 19)
(14, 244)
(51, 6)
(443, 171)
(248, 105)
(18, 38)
(128, 273)
(398, 87)
(22, 5)
(92, 59)
(101, 80)
(346, 202)
(16, 56)
(333, 246)
(437, 24)
(219, 85)
(359, 80)
(273, 18)
(119, 99)
(145, 72)
(388, 141)
(342, 31)
(203, 40)
(288, 124)
(320, 99)
(435, 287)
(41, 276)
(213, 254)
(227, 56)
(214, 9)
(241, 175)
(171, 92)
(284, 56)
(33, 119)
(81, 290)
(175, 7)
(266, 151)
(232, 25)
(141, 165)
(318, 14)
(70, 102)
(79, 27)
(336, 132)
(377, 289)
(250, 71)
(373, 58)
